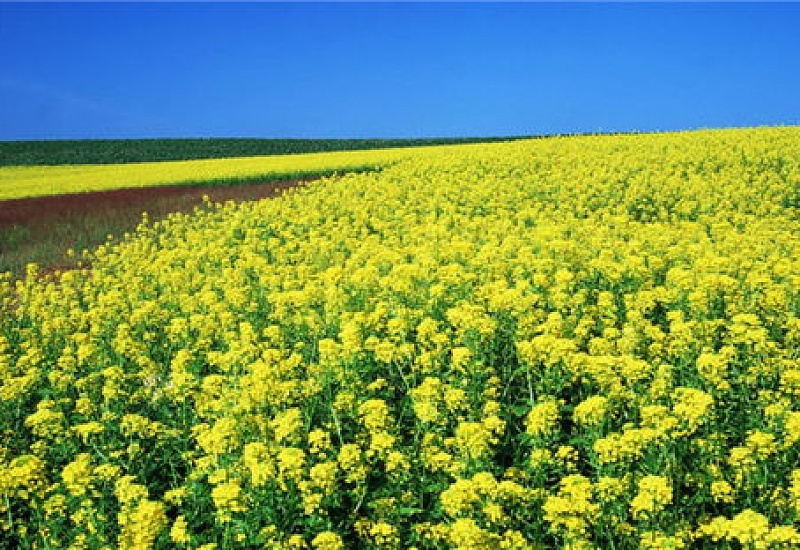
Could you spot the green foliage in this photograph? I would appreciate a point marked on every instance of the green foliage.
(113, 151)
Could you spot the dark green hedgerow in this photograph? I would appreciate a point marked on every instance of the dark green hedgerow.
(112, 151)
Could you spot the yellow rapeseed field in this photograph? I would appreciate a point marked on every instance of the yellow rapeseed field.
(587, 342)
(33, 181)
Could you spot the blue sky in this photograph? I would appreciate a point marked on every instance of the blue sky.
(111, 70)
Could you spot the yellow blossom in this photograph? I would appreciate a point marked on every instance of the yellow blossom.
(327, 541)
(542, 418)
(655, 493)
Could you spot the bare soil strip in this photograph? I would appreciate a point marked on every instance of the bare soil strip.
(41, 229)
(23, 211)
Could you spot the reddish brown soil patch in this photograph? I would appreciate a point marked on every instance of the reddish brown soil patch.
(23, 211)
(41, 229)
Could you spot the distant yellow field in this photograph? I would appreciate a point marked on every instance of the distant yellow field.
(34, 181)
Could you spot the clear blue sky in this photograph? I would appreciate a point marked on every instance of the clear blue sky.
(393, 70)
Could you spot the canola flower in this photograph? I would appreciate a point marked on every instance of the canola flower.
(584, 342)
(33, 181)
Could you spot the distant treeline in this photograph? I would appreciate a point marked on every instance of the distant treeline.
(112, 151)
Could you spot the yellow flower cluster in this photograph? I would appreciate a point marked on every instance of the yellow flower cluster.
(584, 342)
